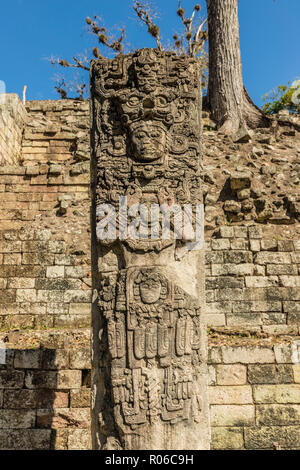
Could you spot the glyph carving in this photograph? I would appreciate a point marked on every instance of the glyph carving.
(147, 149)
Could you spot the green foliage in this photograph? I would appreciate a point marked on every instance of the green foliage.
(283, 97)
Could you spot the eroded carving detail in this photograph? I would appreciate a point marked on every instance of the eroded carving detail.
(147, 147)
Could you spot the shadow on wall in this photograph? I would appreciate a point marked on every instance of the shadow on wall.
(44, 400)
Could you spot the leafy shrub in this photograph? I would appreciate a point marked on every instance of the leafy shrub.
(283, 97)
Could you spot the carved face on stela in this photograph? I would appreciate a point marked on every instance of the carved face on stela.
(150, 291)
(151, 287)
(148, 141)
(148, 119)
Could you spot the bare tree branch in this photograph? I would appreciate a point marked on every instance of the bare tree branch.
(195, 37)
(191, 41)
(79, 64)
(199, 39)
(101, 33)
(143, 12)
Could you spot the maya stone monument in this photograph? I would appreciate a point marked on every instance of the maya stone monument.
(150, 377)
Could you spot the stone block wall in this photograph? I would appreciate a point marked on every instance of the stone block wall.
(45, 282)
(46, 301)
(252, 282)
(57, 132)
(255, 396)
(45, 392)
(45, 274)
(45, 385)
(12, 123)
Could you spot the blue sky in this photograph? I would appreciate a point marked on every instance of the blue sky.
(32, 30)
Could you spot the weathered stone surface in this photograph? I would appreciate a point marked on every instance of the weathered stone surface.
(285, 245)
(213, 257)
(220, 244)
(77, 296)
(272, 258)
(72, 321)
(59, 439)
(277, 415)
(281, 269)
(80, 309)
(241, 136)
(226, 232)
(69, 379)
(269, 245)
(54, 272)
(248, 355)
(255, 245)
(17, 419)
(236, 395)
(215, 355)
(269, 437)
(79, 439)
(41, 379)
(53, 359)
(231, 374)
(286, 353)
(11, 379)
(270, 374)
(243, 194)
(80, 359)
(259, 281)
(291, 307)
(282, 293)
(240, 180)
(27, 359)
(227, 438)
(216, 320)
(21, 283)
(277, 393)
(232, 415)
(31, 399)
(296, 372)
(233, 207)
(238, 257)
(232, 269)
(224, 282)
(25, 439)
(256, 306)
(64, 418)
(212, 376)
(80, 398)
(255, 232)
(147, 135)
(12, 121)
(278, 330)
(239, 244)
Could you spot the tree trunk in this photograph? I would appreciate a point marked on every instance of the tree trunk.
(229, 102)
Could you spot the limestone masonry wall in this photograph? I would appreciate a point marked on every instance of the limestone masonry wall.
(253, 297)
(45, 392)
(45, 227)
(12, 124)
(252, 282)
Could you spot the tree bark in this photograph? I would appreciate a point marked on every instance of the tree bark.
(229, 102)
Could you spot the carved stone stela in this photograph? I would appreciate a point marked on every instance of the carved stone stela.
(147, 148)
